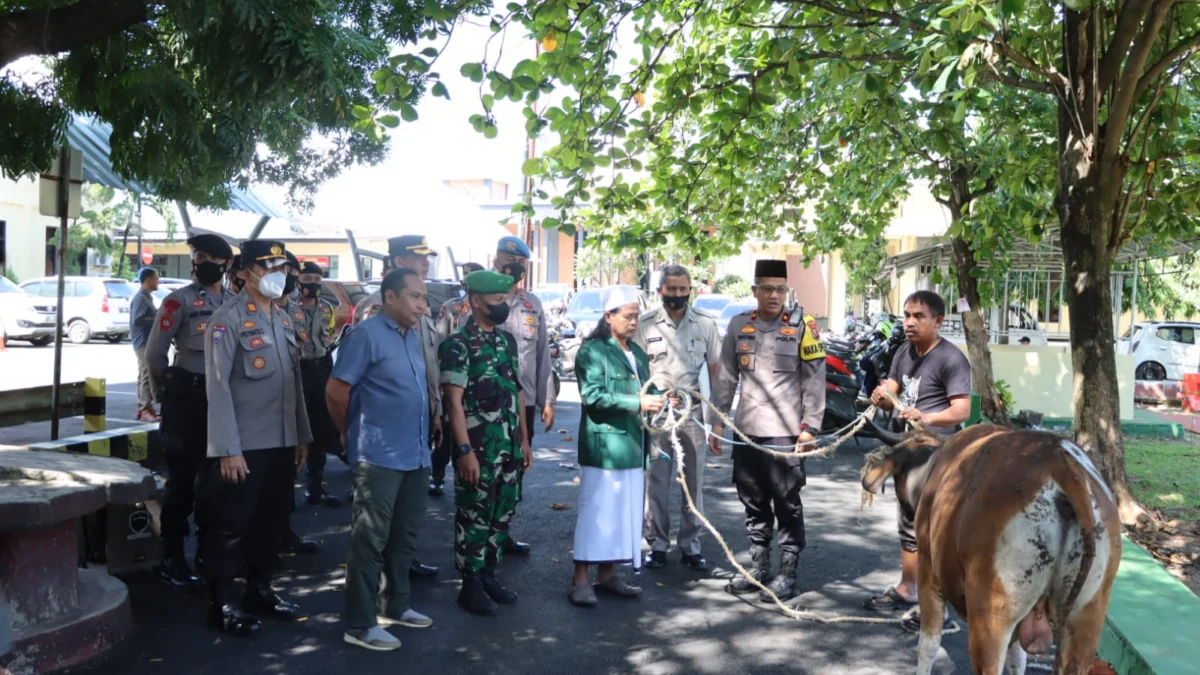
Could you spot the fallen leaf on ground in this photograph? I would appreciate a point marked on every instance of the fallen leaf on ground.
(560, 507)
(303, 618)
(568, 438)
(660, 584)
(555, 560)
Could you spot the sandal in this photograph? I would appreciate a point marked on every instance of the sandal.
(890, 601)
(615, 585)
(582, 595)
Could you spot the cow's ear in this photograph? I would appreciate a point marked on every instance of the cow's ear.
(878, 474)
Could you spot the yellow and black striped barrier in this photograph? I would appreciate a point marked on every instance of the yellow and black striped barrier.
(141, 444)
(95, 405)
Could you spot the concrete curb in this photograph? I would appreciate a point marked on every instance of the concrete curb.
(1152, 618)
(141, 444)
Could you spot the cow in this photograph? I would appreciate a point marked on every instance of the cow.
(1018, 531)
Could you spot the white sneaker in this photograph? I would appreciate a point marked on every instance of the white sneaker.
(411, 619)
(375, 638)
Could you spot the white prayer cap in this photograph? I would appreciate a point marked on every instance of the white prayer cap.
(619, 296)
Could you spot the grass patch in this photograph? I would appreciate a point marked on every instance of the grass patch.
(1165, 474)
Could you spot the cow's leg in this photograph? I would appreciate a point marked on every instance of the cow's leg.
(1017, 658)
(992, 622)
(933, 608)
(1079, 638)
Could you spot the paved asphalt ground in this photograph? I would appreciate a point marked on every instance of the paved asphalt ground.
(684, 623)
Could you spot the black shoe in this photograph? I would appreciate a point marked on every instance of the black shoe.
(694, 562)
(233, 621)
(321, 499)
(474, 598)
(416, 569)
(760, 569)
(514, 547)
(784, 583)
(656, 560)
(495, 591)
(175, 571)
(297, 545)
(436, 489)
(266, 602)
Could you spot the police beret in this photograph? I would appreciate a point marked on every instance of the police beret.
(292, 260)
(770, 269)
(265, 252)
(310, 267)
(212, 245)
(513, 245)
(409, 244)
(487, 281)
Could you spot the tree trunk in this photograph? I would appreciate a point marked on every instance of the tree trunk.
(1087, 197)
(983, 380)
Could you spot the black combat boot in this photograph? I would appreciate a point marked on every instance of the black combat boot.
(760, 569)
(316, 495)
(495, 591)
(473, 598)
(262, 600)
(174, 569)
(233, 621)
(784, 583)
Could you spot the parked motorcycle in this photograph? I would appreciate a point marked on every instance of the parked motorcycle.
(564, 345)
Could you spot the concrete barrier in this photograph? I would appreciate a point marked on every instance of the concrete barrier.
(1152, 619)
(141, 444)
(35, 404)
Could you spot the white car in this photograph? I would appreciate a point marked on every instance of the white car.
(22, 317)
(1163, 350)
(92, 306)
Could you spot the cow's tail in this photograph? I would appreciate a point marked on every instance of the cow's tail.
(1075, 483)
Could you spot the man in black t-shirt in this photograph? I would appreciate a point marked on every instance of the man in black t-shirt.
(932, 379)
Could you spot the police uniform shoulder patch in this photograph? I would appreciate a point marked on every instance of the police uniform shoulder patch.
(811, 348)
(218, 332)
(250, 306)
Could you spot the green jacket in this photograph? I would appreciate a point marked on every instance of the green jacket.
(610, 428)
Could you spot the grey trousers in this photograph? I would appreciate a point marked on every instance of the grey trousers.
(388, 508)
(660, 477)
(144, 394)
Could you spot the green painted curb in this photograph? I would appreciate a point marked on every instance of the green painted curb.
(1142, 429)
(1152, 619)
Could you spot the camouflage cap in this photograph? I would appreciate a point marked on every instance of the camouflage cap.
(487, 281)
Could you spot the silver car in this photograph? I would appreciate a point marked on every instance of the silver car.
(92, 306)
(22, 317)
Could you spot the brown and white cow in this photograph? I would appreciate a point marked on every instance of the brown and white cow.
(1018, 531)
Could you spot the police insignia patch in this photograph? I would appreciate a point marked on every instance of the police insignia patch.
(198, 302)
(298, 315)
(275, 250)
(511, 246)
(247, 324)
(260, 362)
(250, 306)
(287, 324)
(748, 329)
(745, 346)
(201, 327)
(218, 332)
(745, 360)
(304, 336)
(532, 320)
(811, 348)
(255, 343)
(528, 305)
(787, 331)
(166, 323)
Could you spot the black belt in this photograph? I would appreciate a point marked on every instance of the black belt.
(324, 361)
(181, 377)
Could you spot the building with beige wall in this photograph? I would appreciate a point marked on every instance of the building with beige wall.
(24, 232)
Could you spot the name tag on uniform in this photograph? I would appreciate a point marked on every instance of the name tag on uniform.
(654, 339)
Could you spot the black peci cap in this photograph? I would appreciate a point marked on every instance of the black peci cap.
(310, 267)
(770, 269)
(212, 245)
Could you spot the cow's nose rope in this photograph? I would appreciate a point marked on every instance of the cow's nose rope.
(672, 417)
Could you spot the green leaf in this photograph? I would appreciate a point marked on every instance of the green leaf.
(1011, 7)
(439, 89)
(944, 78)
(490, 131)
(430, 52)
(361, 112)
(961, 111)
(408, 112)
(531, 167)
(546, 223)
(389, 121)
(472, 71)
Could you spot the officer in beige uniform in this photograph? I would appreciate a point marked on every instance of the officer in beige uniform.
(527, 323)
(412, 251)
(316, 324)
(258, 434)
(780, 365)
(181, 321)
(289, 302)
(680, 343)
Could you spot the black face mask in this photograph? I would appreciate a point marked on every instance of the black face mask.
(498, 313)
(310, 291)
(238, 284)
(289, 285)
(208, 273)
(676, 301)
(514, 270)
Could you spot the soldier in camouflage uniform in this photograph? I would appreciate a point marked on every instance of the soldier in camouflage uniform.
(453, 314)
(479, 373)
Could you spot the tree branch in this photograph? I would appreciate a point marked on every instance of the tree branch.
(30, 33)
(1017, 81)
(1122, 100)
(989, 186)
(1184, 49)
(1126, 29)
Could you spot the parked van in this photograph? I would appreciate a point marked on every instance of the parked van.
(92, 306)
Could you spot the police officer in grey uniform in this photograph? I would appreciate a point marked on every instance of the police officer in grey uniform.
(258, 434)
(316, 324)
(182, 320)
(782, 377)
(412, 251)
(451, 317)
(527, 323)
(680, 343)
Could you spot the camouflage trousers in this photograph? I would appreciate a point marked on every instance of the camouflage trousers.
(484, 512)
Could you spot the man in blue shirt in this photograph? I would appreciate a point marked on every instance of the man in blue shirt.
(378, 396)
(141, 321)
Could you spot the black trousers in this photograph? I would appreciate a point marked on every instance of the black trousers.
(314, 375)
(247, 521)
(184, 429)
(769, 488)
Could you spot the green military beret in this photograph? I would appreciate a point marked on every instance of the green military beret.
(487, 281)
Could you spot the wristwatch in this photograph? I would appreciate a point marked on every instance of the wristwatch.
(464, 450)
